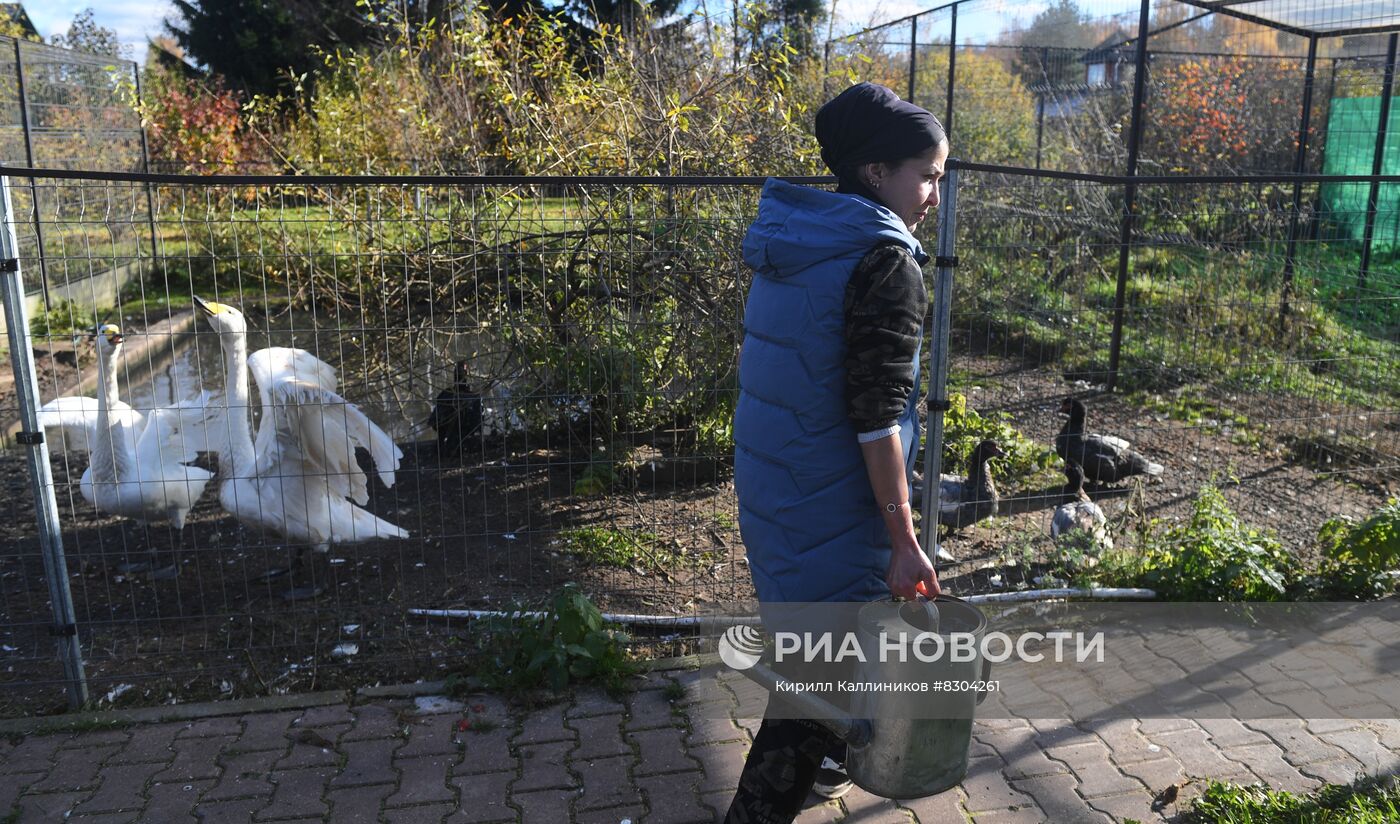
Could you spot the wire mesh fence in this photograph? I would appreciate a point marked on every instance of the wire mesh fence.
(571, 345)
(553, 363)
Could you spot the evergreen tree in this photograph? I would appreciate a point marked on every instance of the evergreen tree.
(255, 44)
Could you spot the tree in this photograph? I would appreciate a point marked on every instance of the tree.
(257, 44)
(1043, 57)
(85, 35)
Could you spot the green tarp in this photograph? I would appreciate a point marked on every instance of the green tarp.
(1351, 145)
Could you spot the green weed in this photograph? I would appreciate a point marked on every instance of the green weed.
(1369, 800)
(567, 644)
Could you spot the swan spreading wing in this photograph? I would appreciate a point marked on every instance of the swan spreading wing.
(304, 420)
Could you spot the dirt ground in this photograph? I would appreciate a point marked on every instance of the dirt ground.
(485, 532)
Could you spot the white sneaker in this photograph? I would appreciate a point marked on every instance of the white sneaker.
(832, 781)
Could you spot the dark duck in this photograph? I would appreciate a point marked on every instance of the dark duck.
(1104, 458)
(456, 416)
(965, 501)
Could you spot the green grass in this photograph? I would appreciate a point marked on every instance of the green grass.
(1370, 800)
(625, 549)
(1201, 316)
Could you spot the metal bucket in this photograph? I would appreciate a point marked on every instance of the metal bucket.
(899, 744)
(910, 754)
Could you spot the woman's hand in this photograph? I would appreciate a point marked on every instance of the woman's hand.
(909, 568)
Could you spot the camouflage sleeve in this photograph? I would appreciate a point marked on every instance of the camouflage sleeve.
(885, 306)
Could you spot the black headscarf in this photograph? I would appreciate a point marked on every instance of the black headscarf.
(870, 124)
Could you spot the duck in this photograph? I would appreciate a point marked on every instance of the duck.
(300, 478)
(138, 462)
(1079, 515)
(1103, 458)
(456, 415)
(965, 501)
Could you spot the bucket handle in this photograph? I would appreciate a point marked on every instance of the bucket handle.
(986, 676)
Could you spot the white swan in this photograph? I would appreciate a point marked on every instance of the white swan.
(136, 462)
(299, 478)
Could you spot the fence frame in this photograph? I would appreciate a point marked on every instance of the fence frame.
(1142, 59)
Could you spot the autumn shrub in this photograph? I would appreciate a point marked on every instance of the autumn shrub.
(196, 126)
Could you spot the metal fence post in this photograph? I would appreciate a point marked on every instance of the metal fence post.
(65, 625)
(1040, 104)
(1378, 161)
(952, 73)
(1299, 166)
(1125, 237)
(944, 262)
(33, 186)
(913, 54)
(146, 167)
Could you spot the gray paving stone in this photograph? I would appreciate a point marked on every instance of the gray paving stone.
(32, 755)
(1266, 761)
(870, 809)
(333, 715)
(1022, 754)
(174, 802)
(298, 794)
(486, 752)
(714, 731)
(47, 807)
(544, 726)
(591, 701)
(605, 783)
(1103, 777)
(721, 764)
(1122, 737)
(944, 808)
(612, 815)
(375, 721)
(1299, 746)
(312, 747)
(229, 725)
(265, 731)
(122, 788)
(1342, 770)
(74, 769)
(484, 798)
(368, 762)
(542, 767)
(1200, 758)
(987, 789)
(1228, 732)
(1057, 796)
(648, 710)
(1020, 815)
(244, 774)
(94, 738)
(430, 735)
(105, 818)
(1135, 805)
(661, 751)
(422, 781)
(1157, 774)
(358, 805)
(672, 798)
(195, 758)
(549, 805)
(1363, 745)
(234, 811)
(599, 736)
(426, 814)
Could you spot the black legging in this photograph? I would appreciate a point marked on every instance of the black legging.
(780, 770)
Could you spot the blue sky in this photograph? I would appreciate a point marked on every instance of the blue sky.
(135, 20)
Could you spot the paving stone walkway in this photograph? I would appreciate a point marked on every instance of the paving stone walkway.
(644, 759)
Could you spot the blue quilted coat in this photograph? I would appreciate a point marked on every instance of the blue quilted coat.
(807, 512)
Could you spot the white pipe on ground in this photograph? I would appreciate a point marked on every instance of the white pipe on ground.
(1079, 593)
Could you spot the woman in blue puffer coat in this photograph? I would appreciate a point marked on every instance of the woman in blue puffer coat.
(826, 426)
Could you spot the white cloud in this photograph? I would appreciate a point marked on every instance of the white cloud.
(133, 20)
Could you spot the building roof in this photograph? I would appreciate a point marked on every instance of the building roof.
(1319, 18)
(15, 13)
